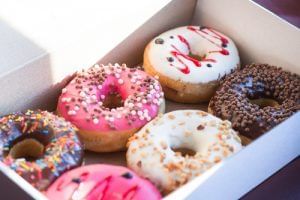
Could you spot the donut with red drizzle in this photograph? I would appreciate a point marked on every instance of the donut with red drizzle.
(190, 61)
(104, 182)
(109, 103)
(39, 146)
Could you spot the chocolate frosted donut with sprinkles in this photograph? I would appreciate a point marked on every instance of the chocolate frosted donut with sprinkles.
(39, 146)
(109, 103)
(190, 61)
(257, 98)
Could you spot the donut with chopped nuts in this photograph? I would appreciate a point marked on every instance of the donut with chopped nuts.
(39, 146)
(154, 152)
(109, 103)
(257, 98)
(190, 61)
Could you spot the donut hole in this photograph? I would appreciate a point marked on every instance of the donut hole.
(183, 151)
(30, 149)
(113, 100)
(197, 57)
(265, 102)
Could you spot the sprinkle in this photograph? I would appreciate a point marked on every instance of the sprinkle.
(82, 94)
(200, 127)
(64, 90)
(170, 116)
(139, 164)
(95, 121)
(24, 166)
(120, 81)
(159, 41)
(111, 119)
(130, 105)
(71, 112)
(139, 105)
(141, 118)
(94, 97)
(127, 175)
(133, 112)
(117, 75)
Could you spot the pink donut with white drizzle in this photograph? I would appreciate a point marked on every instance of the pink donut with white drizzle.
(104, 182)
(110, 103)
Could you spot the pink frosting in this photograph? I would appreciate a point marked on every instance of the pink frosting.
(81, 101)
(102, 182)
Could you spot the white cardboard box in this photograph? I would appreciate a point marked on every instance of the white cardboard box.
(37, 62)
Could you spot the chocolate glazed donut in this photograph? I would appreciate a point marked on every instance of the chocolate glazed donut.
(39, 146)
(257, 98)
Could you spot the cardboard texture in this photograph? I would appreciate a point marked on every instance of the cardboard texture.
(259, 35)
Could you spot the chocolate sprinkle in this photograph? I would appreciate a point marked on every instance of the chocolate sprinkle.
(127, 175)
(170, 59)
(208, 65)
(232, 101)
(76, 180)
(200, 127)
(159, 41)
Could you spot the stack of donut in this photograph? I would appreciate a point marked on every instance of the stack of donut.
(109, 108)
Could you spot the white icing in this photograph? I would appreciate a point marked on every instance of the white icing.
(180, 129)
(200, 45)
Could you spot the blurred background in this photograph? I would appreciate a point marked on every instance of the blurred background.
(286, 9)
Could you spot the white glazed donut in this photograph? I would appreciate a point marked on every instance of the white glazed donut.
(190, 57)
(150, 151)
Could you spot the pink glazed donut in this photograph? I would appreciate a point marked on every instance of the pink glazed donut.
(110, 103)
(105, 182)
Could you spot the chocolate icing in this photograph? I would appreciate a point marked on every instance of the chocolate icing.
(62, 148)
(232, 101)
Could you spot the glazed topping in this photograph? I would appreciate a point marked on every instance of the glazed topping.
(61, 148)
(188, 52)
(236, 100)
(86, 101)
(102, 182)
(153, 151)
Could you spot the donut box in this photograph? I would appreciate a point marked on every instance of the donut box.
(259, 35)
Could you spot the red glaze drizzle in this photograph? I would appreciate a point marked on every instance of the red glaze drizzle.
(181, 57)
(183, 40)
(203, 32)
(129, 194)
